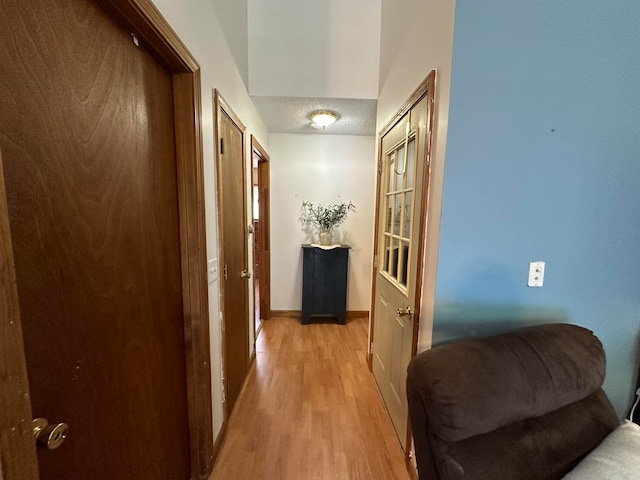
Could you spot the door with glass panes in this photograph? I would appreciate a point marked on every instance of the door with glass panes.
(402, 201)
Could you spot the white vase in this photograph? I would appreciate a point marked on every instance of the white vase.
(325, 238)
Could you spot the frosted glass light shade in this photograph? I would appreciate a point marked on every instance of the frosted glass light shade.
(323, 118)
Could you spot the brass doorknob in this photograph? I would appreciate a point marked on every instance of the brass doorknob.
(404, 311)
(245, 274)
(48, 435)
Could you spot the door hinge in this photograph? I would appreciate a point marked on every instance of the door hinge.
(375, 261)
(222, 146)
(225, 271)
(379, 167)
(371, 348)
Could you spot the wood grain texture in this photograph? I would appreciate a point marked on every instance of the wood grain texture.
(374, 264)
(217, 446)
(234, 255)
(154, 33)
(87, 131)
(195, 300)
(142, 18)
(235, 315)
(257, 269)
(264, 240)
(17, 449)
(310, 410)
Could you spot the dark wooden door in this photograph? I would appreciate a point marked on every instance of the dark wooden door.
(264, 189)
(87, 141)
(261, 240)
(257, 276)
(231, 184)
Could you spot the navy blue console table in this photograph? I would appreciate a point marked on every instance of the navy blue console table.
(324, 282)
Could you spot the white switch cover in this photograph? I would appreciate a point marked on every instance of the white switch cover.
(212, 268)
(536, 274)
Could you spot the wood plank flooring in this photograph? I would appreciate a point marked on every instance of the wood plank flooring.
(310, 410)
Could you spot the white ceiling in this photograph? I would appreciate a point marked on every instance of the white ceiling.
(297, 56)
(291, 114)
(312, 48)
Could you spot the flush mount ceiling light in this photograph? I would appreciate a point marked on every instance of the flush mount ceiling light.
(323, 118)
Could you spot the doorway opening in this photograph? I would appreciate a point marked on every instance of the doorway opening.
(234, 257)
(261, 238)
(404, 172)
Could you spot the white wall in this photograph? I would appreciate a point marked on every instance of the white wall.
(232, 17)
(310, 48)
(196, 23)
(417, 36)
(321, 169)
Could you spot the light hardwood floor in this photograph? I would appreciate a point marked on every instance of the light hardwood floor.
(310, 410)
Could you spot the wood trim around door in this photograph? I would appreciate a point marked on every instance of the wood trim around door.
(265, 217)
(147, 23)
(17, 450)
(430, 85)
(190, 169)
(220, 102)
(427, 87)
(374, 263)
(220, 105)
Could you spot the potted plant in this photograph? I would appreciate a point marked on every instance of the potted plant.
(325, 219)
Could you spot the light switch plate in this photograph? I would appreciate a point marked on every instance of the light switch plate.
(536, 274)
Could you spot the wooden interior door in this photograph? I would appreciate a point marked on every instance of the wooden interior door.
(262, 236)
(257, 268)
(87, 141)
(402, 194)
(234, 255)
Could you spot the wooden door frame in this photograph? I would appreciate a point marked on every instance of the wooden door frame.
(426, 88)
(264, 281)
(220, 105)
(17, 448)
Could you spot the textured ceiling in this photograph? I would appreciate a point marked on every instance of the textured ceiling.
(291, 114)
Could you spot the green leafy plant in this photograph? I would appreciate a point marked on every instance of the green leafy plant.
(325, 218)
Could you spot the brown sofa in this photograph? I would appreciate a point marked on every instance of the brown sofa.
(521, 405)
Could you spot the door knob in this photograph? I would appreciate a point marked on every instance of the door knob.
(404, 311)
(245, 274)
(49, 435)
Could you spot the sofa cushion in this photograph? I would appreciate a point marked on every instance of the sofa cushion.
(616, 458)
(479, 385)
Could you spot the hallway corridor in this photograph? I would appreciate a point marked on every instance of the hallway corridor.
(310, 410)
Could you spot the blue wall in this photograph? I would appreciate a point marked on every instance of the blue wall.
(543, 163)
